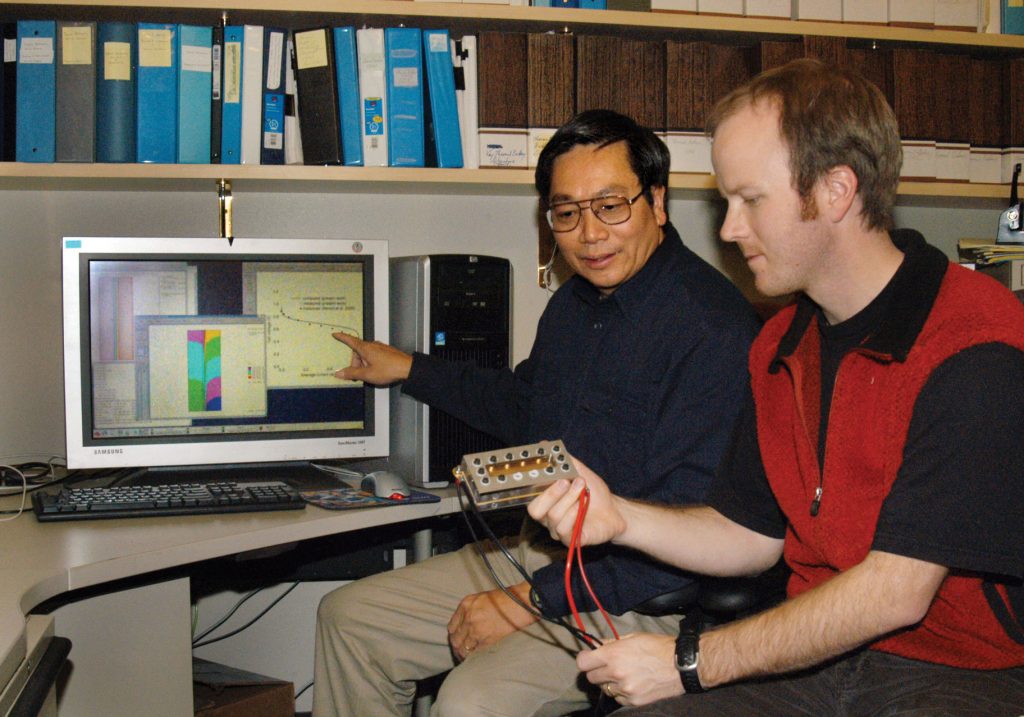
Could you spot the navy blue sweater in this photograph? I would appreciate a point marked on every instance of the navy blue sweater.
(643, 386)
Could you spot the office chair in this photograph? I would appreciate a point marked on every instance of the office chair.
(720, 600)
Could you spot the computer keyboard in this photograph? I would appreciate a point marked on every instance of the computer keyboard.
(138, 501)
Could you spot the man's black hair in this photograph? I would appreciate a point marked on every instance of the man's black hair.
(648, 155)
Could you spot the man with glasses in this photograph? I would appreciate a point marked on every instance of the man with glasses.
(639, 366)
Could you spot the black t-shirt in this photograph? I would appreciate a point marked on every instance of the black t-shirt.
(958, 498)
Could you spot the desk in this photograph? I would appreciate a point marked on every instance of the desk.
(41, 561)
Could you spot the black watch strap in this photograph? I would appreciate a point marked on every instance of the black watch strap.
(688, 655)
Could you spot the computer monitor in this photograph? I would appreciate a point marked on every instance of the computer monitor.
(187, 352)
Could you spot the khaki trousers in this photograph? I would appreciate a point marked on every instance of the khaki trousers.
(377, 636)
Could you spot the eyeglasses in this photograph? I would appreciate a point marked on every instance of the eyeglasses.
(612, 209)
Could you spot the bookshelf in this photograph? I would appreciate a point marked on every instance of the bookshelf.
(399, 180)
(471, 17)
(460, 19)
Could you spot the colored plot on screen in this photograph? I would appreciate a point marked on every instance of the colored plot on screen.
(204, 377)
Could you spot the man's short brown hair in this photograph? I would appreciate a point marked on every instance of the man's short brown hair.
(828, 117)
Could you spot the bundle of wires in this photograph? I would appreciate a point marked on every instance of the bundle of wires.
(573, 557)
(26, 477)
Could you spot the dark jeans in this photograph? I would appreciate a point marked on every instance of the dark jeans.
(865, 684)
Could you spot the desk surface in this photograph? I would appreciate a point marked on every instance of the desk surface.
(41, 560)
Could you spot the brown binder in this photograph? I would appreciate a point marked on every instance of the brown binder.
(729, 66)
(624, 75)
(551, 80)
(698, 74)
(502, 99)
(776, 53)
(646, 84)
(914, 92)
(951, 81)
(830, 50)
(875, 65)
(1014, 113)
(502, 79)
(685, 86)
(597, 84)
(986, 104)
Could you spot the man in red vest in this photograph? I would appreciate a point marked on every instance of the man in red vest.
(882, 451)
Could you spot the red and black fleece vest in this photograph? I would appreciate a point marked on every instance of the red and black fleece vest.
(873, 399)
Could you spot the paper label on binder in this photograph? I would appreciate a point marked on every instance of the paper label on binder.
(986, 165)
(76, 45)
(117, 61)
(918, 160)
(196, 59)
(154, 48)
(690, 152)
(504, 148)
(232, 72)
(406, 77)
(311, 49)
(36, 51)
(438, 42)
(273, 60)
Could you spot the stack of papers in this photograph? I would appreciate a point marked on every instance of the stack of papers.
(983, 252)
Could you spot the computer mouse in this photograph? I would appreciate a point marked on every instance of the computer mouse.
(385, 484)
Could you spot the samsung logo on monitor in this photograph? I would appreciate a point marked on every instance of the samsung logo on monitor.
(106, 451)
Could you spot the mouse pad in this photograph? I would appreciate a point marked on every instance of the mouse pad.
(343, 498)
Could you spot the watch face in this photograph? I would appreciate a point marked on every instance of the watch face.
(688, 664)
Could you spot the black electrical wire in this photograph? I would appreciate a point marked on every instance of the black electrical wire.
(249, 624)
(228, 616)
(464, 497)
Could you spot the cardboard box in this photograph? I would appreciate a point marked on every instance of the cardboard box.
(223, 691)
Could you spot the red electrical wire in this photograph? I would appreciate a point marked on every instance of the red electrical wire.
(575, 554)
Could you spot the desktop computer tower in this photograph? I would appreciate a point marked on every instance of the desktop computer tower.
(457, 307)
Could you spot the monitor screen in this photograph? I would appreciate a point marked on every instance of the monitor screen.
(194, 351)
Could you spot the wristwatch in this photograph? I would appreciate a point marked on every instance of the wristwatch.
(688, 654)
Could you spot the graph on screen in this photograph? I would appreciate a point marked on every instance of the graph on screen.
(302, 309)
